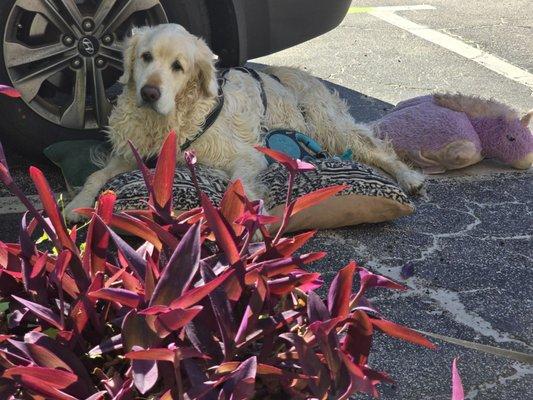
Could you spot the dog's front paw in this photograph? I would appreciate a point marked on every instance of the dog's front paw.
(412, 182)
(70, 215)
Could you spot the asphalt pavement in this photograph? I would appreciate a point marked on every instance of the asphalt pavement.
(469, 242)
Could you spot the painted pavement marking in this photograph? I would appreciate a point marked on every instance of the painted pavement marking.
(448, 42)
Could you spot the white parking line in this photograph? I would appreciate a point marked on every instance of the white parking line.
(448, 42)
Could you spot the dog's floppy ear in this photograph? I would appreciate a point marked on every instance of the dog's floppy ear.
(206, 69)
(129, 54)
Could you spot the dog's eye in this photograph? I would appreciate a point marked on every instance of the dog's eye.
(147, 57)
(510, 138)
(176, 66)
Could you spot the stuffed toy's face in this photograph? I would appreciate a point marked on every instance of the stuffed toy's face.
(515, 145)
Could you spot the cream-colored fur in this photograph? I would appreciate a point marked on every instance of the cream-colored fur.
(301, 102)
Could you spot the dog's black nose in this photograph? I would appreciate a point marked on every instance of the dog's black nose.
(150, 94)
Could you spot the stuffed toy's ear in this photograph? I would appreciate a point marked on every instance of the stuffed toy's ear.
(206, 69)
(129, 53)
(526, 119)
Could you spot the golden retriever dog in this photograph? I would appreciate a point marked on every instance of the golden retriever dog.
(170, 83)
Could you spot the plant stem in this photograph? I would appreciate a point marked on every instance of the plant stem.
(288, 207)
(356, 299)
(177, 373)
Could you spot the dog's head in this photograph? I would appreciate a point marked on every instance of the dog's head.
(162, 63)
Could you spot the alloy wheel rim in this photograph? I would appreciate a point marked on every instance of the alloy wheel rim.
(64, 56)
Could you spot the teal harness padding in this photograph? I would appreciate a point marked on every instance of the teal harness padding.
(297, 145)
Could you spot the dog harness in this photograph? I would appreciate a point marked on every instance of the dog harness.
(209, 121)
(215, 112)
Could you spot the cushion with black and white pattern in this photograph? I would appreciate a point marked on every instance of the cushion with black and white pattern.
(369, 197)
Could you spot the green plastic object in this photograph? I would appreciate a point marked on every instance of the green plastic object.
(74, 158)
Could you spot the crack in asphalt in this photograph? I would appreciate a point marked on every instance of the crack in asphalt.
(445, 299)
(449, 301)
(521, 371)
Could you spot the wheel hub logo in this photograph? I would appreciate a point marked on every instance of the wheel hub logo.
(87, 46)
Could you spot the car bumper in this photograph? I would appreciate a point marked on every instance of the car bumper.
(267, 26)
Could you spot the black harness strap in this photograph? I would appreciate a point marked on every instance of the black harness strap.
(275, 78)
(213, 115)
(209, 121)
(253, 73)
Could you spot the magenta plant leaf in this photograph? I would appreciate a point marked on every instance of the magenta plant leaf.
(9, 91)
(52, 210)
(161, 354)
(127, 224)
(221, 231)
(241, 383)
(401, 332)
(170, 354)
(311, 365)
(316, 309)
(137, 332)
(253, 309)
(114, 343)
(122, 296)
(232, 205)
(282, 266)
(42, 312)
(296, 279)
(175, 319)
(145, 373)
(193, 296)
(65, 354)
(135, 261)
(457, 385)
(222, 310)
(311, 199)
(328, 342)
(56, 378)
(358, 340)
(341, 290)
(42, 387)
(288, 246)
(289, 163)
(359, 382)
(164, 175)
(180, 270)
(146, 173)
(369, 279)
(94, 258)
(97, 396)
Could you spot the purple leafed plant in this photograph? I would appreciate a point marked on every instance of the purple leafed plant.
(198, 311)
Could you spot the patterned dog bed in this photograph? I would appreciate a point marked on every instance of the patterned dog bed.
(370, 197)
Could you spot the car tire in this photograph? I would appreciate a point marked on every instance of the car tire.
(27, 132)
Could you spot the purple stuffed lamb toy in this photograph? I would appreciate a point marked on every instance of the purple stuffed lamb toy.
(449, 131)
